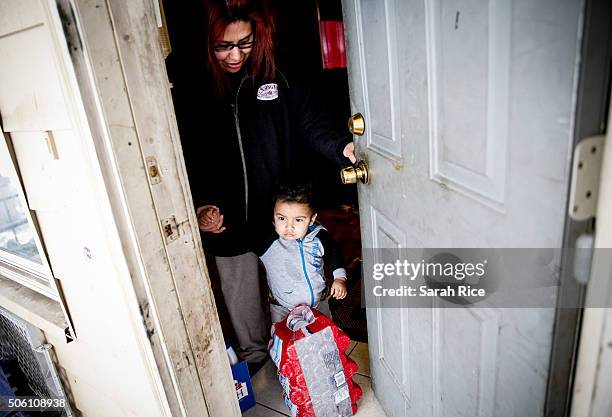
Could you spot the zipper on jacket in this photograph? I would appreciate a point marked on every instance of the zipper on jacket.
(244, 169)
(306, 273)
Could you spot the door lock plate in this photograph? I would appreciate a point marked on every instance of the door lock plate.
(153, 170)
(170, 228)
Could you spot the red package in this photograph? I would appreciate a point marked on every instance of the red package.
(334, 370)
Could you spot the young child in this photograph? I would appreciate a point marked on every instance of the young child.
(294, 262)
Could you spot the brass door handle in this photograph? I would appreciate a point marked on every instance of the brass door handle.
(359, 171)
(356, 124)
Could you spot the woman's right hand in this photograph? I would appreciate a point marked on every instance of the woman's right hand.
(210, 219)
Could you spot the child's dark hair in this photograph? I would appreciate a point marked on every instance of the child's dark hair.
(295, 192)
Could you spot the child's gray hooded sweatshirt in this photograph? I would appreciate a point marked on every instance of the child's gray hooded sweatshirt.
(294, 268)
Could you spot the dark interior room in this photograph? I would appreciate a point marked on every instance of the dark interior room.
(309, 45)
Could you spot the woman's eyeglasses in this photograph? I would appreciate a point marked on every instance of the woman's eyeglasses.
(226, 47)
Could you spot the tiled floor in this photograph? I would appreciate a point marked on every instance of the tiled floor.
(268, 391)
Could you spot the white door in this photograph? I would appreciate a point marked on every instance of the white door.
(468, 109)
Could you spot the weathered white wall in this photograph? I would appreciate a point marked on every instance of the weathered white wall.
(110, 366)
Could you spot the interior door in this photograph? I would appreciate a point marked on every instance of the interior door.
(468, 109)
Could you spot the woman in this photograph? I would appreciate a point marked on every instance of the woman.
(253, 122)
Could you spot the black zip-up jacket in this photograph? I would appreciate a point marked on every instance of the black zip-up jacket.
(236, 150)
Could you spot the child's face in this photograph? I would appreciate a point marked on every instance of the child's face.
(291, 220)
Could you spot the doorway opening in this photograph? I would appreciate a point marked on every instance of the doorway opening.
(309, 45)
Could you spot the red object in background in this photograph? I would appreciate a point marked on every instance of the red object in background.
(333, 50)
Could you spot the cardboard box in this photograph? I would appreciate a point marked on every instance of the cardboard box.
(242, 381)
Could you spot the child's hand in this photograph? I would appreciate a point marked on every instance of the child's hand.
(210, 219)
(338, 289)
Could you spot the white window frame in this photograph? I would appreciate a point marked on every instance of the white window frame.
(37, 277)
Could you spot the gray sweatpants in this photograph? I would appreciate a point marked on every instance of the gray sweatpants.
(277, 313)
(240, 285)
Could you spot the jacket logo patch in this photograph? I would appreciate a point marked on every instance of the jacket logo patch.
(267, 92)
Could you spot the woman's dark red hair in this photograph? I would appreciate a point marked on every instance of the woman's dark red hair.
(220, 13)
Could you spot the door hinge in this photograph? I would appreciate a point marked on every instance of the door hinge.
(170, 228)
(586, 173)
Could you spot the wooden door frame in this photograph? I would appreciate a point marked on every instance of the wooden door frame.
(591, 117)
(121, 77)
(594, 362)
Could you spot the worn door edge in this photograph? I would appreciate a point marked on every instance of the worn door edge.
(146, 80)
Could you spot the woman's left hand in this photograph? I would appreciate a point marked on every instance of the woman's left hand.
(349, 152)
